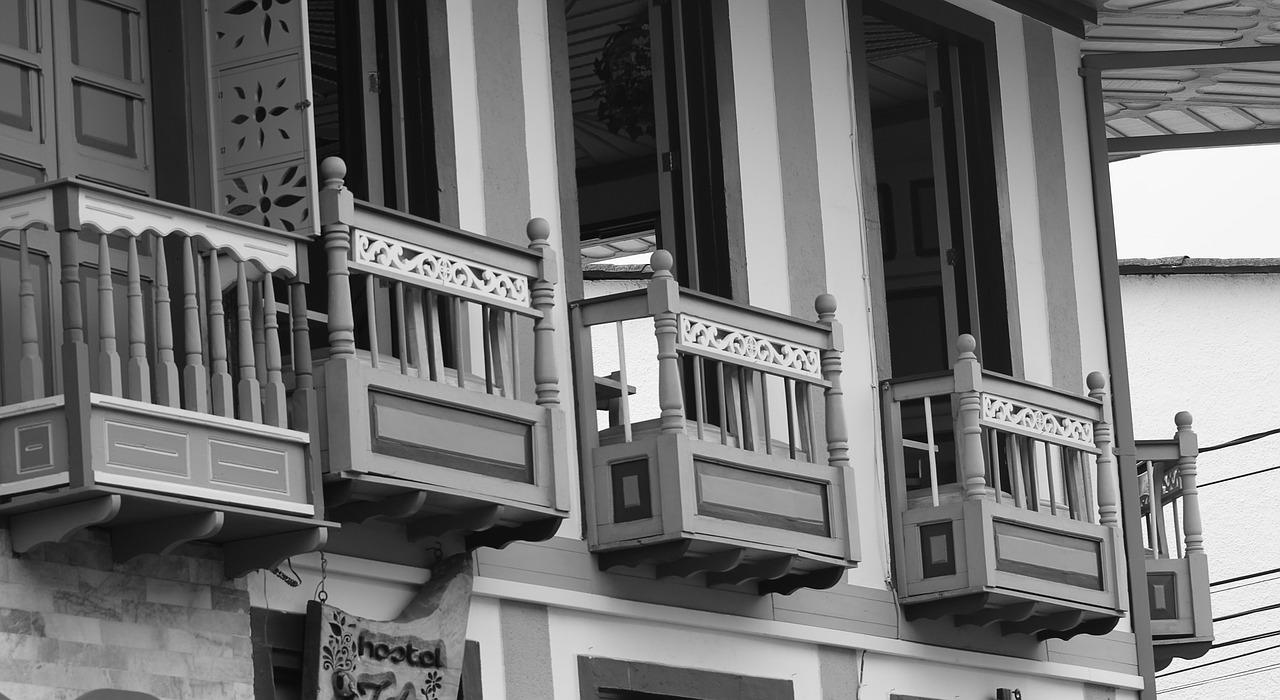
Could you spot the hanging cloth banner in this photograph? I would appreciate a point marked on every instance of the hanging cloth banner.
(417, 656)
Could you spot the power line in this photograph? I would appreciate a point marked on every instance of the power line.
(1242, 440)
(1229, 676)
(1225, 581)
(1244, 585)
(1237, 476)
(1233, 616)
(1218, 661)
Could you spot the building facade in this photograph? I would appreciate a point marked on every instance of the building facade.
(303, 303)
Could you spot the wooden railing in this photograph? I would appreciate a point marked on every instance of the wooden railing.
(976, 435)
(1170, 500)
(435, 303)
(718, 371)
(226, 337)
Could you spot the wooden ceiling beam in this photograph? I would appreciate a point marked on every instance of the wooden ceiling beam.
(1149, 144)
(1171, 59)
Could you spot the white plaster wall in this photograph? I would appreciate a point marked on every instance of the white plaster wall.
(1207, 344)
(761, 173)
(885, 675)
(575, 633)
(466, 115)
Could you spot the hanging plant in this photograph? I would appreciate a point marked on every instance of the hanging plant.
(625, 70)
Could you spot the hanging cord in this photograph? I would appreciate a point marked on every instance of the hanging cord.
(292, 581)
(321, 594)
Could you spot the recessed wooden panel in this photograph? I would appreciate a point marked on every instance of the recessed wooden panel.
(937, 549)
(148, 449)
(631, 495)
(34, 447)
(1162, 591)
(451, 437)
(754, 497)
(1051, 556)
(249, 466)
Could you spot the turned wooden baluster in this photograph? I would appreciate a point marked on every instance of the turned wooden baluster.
(75, 364)
(248, 390)
(968, 380)
(108, 358)
(543, 293)
(195, 378)
(138, 376)
(300, 355)
(166, 393)
(837, 429)
(275, 410)
(31, 367)
(664, 305)
(221, 396)
(257, 312)
(1108, 503)
(1188, 449)
(335, 206)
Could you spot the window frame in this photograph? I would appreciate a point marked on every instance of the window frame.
(614, 679)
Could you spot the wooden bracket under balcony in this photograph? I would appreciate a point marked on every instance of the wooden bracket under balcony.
(150, 523)
(1042, 619)
(465, 522)
(771, 571)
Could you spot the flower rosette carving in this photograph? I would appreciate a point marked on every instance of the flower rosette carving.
(749, 346)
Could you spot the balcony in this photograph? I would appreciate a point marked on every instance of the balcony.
(1177, 574)
(713, 464)
(440, 387)
(164, 414)
(1003, 501)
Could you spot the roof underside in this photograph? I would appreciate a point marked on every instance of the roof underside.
(1187, 73)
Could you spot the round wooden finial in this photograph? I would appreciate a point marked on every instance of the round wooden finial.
(825, 305)
(1182, 419)
(661, 261)
(1095, 381)
(538, 229)
(966, 344)
(332, 171)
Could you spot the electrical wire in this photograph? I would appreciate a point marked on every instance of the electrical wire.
(1218, 661)
(1227, 677)
(1246, 584)
(1223, 582)
(1237, 476)
(1240, 440)
(1233, 616)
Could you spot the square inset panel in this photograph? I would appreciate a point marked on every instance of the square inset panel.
(631, 495)
(35, 447)
(15, 96)
(106, 120)
(937, 549)
(1162, 591)
(104, 38)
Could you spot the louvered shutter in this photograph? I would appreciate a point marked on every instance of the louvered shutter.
(262, 128)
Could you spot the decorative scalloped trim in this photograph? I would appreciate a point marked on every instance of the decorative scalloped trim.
(754, 348)
(403, 258)
(996, 409)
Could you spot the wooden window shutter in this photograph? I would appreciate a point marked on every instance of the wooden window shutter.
(262, 131)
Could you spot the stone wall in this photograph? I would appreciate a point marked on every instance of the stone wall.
(72, 620)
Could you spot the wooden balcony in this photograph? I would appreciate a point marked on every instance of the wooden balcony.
(1177, 569)
(441, 394)
(1003, 501)
(162, 414)
(713, 464)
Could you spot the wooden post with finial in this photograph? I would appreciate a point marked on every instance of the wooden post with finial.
(1108, 503)
(336, 207)
(546, 374)
(664, 306)
(75, 354)
(1188, 450)
(31, 367)
(968, 380)
(837, 428)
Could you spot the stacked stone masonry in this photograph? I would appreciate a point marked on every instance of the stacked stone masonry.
(72, 620)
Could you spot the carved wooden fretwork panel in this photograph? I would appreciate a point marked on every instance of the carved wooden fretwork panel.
(745, 347)
(262, 118)
(249, 29)
(430, 267)
(260, 114)
(276, 198)
(997, 410)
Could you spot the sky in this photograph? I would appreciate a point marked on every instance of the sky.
(1207, 203)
